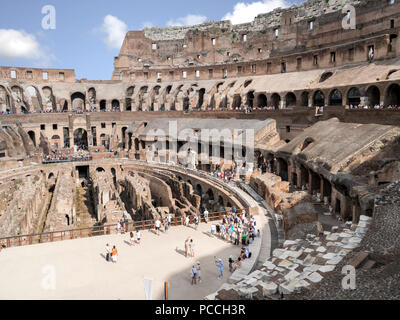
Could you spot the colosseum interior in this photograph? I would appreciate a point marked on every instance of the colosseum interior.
(291, 117)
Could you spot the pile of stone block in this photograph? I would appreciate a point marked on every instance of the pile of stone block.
(300, 264)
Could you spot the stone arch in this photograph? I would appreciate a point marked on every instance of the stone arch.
(4, 99)
(304, 99)
(81, 138)
(374, 95)
(32, 135)
(392, 96)
(115, 105)
(103, 105)
(290, 100)
(200, 101)
(36, 98)
(335, 98)
(353, 96)
(237, 101)
(319, 99)
(210, 194)
(275, 100)
(100, 169)
(92, 98)
(78, 101)
(261, 100)
(199, 190)
(64, 105)
(250, 98)
(49, 98)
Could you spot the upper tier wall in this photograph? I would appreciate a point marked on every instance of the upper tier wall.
(219, 49)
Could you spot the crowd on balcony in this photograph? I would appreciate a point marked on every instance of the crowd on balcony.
(67, 155)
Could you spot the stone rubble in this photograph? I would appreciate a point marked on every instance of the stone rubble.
(300, 264)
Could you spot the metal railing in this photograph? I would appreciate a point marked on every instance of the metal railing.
(30, 239)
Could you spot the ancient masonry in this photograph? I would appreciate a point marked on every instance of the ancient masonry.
(88, 153)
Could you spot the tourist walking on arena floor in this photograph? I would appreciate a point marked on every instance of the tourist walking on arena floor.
(132, 238)
(187, 220)
(138, 236)
(198, 272)
(193, 273)
(114, 255)
(158, 226)
(220, 266)
(191, 248)
(187, 247)
(196, 221)
(205, 213)
(166, 224)
(108, 252)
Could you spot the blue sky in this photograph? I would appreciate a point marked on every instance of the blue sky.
(88, 33)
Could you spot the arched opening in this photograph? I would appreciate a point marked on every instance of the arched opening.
(103, 105)
(115, 105)
(49, 99)
(325, 76)
(353, 97)
(5, 99)
(100, 169)
(374, 96)
(319, 99)
(250, 99)
(393, 95)
(64, 105)
(78, 101)
(55, 141)
(200, 102)
(210, 194)
(335, 98)
(237, 101)
(220, 201)
(199, 190)
(261, 100)
(36, 99)
(186, 104)
(275, 100)
(81, 138)
(304, 99)
(283, 173)
(123, 131)
(31, 135)
(290, 100)
(92, 98)
(137, 144)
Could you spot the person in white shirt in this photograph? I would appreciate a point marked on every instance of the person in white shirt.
(158, 226)
(206, 215)
(138, 236)
(108, 252)
(193, 273)
(187, 221)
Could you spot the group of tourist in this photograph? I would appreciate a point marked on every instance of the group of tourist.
(375, 107)
(189, 248)
(111, 253)
(225, 175)
(195, 273)
(60, 155)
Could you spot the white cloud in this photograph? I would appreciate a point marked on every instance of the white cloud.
(189, 20)
(19, 44)
(115, 30)
(246, 12)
